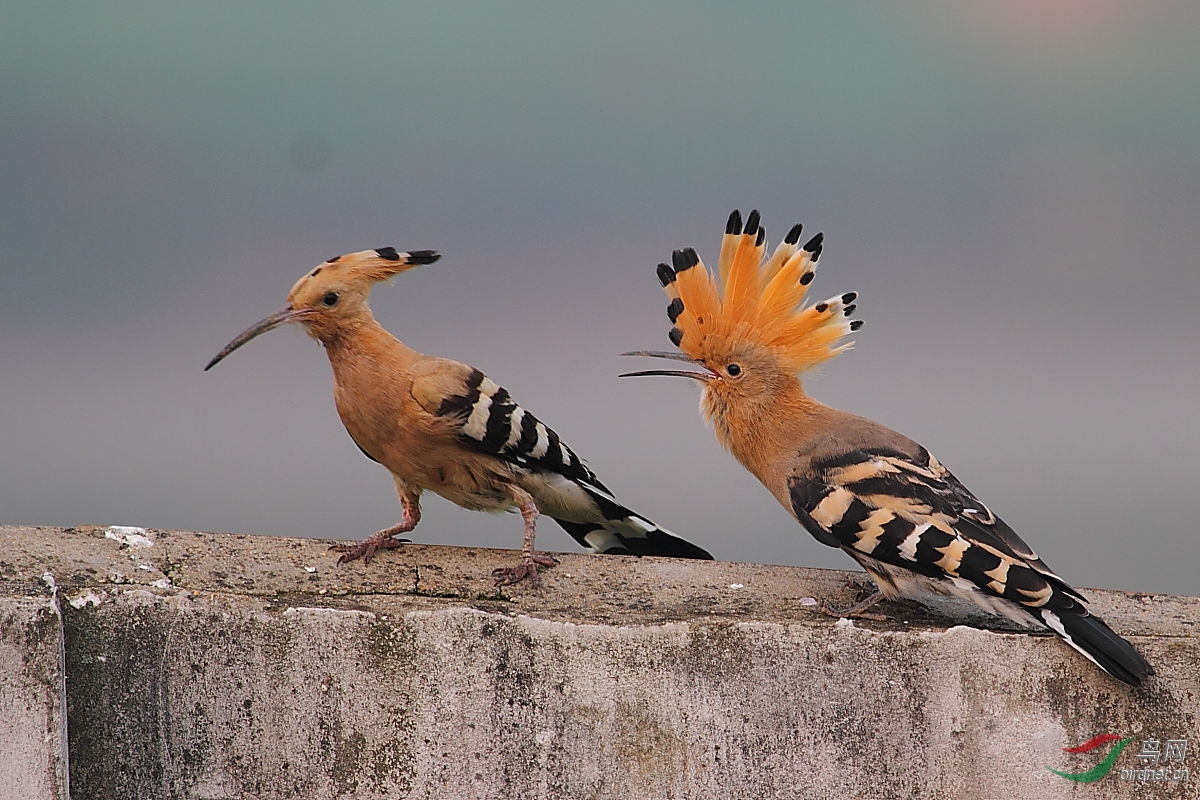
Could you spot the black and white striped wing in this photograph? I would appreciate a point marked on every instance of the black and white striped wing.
(899, 515)
(912, 513)
(492, 422)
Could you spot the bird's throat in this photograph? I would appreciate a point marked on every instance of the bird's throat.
(760, 431)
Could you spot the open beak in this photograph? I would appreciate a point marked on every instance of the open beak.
(703, 377)
(285, 314)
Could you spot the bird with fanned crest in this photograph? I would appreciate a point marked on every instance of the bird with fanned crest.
(851, 482)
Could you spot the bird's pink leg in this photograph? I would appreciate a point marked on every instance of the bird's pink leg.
(410, 506)
(527, 567)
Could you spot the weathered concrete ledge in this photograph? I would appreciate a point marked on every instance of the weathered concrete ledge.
(181, 665)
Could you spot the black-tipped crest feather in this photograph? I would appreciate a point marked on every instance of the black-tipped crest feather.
(751, 228)
(734, 225)
(754, 298)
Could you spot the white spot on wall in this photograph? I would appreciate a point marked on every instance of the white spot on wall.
(129, 536)
(88, 598)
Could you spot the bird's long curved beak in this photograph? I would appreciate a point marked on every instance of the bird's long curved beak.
(285, 314)
(676, 373)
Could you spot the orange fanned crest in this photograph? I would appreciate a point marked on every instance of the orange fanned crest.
(760, 301)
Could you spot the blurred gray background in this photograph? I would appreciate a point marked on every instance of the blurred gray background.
(1014, 189)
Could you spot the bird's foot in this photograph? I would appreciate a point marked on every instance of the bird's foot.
(527, 567)
(858, 610)
(382, 540)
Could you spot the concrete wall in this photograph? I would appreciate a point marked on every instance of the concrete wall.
(182, 665)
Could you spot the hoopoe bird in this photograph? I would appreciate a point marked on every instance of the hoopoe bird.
(854, 484)
(443, 426)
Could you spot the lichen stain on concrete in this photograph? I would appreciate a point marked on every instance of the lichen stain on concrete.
(386, 645)
(715, 648)
(515, 672)
(39, 637)
(646, 745)
(345, 750)
(114, 699)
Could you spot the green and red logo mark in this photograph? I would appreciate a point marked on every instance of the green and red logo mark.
(1158, 760)
(1104, 767)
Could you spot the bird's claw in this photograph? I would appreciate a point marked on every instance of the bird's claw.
(526, 568)
(857, 610)
(366, 549)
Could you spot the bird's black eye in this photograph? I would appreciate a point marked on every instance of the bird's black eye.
(734, 370)
(330, 299)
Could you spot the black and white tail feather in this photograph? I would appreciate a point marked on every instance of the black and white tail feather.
(563, 487)
(917, 530)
